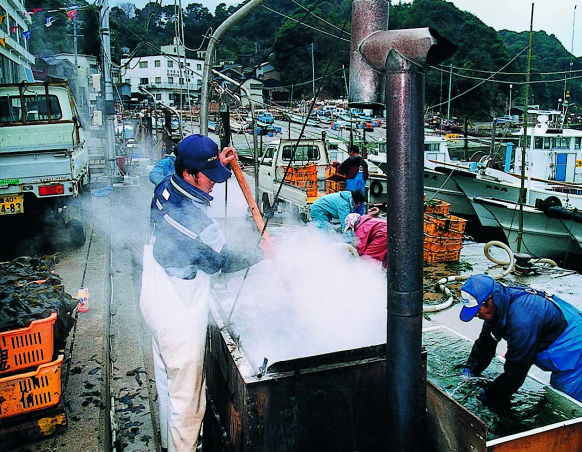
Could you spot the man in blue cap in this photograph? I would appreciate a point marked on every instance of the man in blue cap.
(539, 328)
(187, 247)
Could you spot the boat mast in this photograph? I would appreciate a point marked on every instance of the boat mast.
(522, 189)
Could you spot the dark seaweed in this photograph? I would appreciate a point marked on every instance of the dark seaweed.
(530, 408)
(30, 290)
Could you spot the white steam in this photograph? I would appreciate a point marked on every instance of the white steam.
(310, 298)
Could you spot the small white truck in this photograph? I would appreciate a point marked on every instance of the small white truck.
(43, 156)
(305, 181)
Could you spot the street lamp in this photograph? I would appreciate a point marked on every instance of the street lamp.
(510, 88)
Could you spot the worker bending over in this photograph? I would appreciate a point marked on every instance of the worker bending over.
(355, 170)
(370, 235)
(336, 206)
(186, 248)
(539, 329)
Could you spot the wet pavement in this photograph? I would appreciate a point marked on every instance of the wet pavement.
(109, 352)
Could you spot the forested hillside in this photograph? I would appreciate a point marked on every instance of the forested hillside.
(284, 37)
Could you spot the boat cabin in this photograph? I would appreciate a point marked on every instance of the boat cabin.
(553, 152)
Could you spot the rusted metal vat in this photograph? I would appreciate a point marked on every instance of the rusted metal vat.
(331, 402)
(451, 427)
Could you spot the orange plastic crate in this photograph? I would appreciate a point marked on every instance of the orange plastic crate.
(31, 391)
(433, 257)
(442, 243)
(437, 207)
(443, 224)
(27, 347)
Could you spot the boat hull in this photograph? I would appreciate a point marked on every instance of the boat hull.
(543, 236)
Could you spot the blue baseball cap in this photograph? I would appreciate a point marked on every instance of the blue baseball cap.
(201, 153)
(474, 292)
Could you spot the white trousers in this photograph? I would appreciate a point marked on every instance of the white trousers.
(176, 310)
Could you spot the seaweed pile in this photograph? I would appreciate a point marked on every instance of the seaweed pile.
(30, 290)
(530, 407)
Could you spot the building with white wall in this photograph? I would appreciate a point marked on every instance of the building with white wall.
(15, 59)
(169, 77)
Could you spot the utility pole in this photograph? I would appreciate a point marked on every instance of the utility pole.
(210, 53)
(109, 110)
(76, 59)
(313, 67)
(522, 189)
(510, 89)
(450, 90)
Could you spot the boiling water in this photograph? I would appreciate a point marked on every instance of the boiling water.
(530, 407)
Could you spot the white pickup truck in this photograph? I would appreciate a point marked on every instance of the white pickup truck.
(308, 156)
(43, 155)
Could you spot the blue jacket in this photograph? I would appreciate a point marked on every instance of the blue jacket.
(335, 205)
(182, 232)
(162, 169)
(529, 322)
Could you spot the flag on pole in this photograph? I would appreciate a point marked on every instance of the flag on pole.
(3, 42)
(71, 14)
(26, 35)
(49, 21)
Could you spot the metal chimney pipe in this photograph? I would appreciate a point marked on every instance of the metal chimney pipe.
(402, 55)
(405, 163)
(366, 83)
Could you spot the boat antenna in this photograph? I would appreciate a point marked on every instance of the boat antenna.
(522, 189)
(565, 97)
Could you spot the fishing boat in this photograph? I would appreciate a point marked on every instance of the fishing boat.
(552, 156)
(437, 184)
(544, 235)
(300, 119)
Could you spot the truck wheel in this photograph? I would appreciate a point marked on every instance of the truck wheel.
(267, 210)
(76, 233)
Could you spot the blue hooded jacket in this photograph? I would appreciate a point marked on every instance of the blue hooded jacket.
(526, 319)
(182, 232)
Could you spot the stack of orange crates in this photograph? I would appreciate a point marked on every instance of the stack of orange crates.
(443, 233)
(29, 378)
(332, 186)
(303, 177)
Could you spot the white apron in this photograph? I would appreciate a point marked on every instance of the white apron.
(176, 311)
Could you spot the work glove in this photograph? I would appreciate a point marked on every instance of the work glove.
(493, 403)
(467, 373)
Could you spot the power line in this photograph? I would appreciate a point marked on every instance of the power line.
(480, 83)
(506, 82)
(305, 25)
(503, 73)
(320, 18)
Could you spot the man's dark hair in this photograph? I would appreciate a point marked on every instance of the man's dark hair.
(180, 168)
(358, 196)
(354, 148)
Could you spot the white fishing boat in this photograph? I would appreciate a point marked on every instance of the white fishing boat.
(300, 119)
(553, 160)
(437, 184)
(544, 234)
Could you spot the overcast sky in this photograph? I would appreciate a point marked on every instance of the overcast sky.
(553, 16)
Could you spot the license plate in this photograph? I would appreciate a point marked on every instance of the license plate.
(11, 204)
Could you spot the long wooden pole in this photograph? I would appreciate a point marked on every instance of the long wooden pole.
(250, 199)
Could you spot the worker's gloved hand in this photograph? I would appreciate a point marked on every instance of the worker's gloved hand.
(493, 403)
(467, 373)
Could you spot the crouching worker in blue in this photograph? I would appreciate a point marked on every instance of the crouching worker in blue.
(539, 329)
(336, 206)
(186, 248)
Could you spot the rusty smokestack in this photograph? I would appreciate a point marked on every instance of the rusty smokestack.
(402, 55)
(366, 83)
